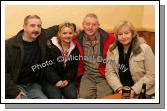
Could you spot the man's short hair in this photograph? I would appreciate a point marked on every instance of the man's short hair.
(30, 17)
(91, 15)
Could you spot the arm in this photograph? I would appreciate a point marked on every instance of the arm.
(51, 31)
(71, 74)
(50, 72)
(111, 74)
(11, 90)
(149, 77)
(51, 75)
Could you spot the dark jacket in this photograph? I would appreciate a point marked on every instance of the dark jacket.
(14, 53)
(106, 39)
(57, 71)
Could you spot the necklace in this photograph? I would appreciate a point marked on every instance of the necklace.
(64, 54)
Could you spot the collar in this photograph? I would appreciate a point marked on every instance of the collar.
(55, 42)
(96, 36)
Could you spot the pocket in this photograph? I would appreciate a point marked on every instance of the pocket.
(138, 59)
(137, 65)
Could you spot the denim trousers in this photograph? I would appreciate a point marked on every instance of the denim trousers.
(53, 92)
(33, 91)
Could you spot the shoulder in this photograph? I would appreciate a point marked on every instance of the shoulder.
(145, 47)
(51, 31)
(110, 38)
(52, 41)
(111, 35)
(11, 41)
(146, 51)
(112, 52)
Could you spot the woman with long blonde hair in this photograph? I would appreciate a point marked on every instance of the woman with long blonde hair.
(133, 63)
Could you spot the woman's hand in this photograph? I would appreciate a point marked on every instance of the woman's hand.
(59, 84)
(65, 83)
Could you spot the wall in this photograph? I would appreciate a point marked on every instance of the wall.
(141, 16)
(149, 18)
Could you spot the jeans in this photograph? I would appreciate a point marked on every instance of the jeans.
(33, 91)
(68, 92)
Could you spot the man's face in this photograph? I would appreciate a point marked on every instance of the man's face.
(90, 26)
(33, 28)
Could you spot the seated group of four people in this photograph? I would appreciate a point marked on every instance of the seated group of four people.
(89, 64)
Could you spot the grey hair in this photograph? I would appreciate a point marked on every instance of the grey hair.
(30, 17)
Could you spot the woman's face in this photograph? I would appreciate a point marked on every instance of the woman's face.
(66, 34)
(124, 35)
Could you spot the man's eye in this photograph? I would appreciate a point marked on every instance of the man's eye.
(32, 25)
(94, 24)
(87, 24)
(39, 26)
(126, 32)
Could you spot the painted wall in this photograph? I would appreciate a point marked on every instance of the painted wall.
(141, 16)
(149, 18)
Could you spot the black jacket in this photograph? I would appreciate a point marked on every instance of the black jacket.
(57, 71)
(14, 53)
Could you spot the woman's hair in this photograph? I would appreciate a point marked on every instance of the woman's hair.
(74, 26)
(66, 24)
(136, 49)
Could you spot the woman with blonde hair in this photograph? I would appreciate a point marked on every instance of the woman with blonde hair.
(133, 63)
(62, 72)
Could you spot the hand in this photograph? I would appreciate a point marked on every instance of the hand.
(19, 96)
(132, 94)
(119, 90)
(65, 83)
(59, 84)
